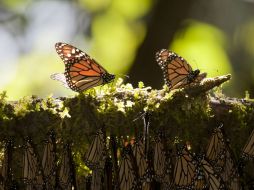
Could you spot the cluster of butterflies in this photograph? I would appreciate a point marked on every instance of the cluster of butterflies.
(82, 72)
(162, 168)
(47, 173)
(117, 163)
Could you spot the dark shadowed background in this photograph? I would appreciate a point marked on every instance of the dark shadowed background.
(123, 36)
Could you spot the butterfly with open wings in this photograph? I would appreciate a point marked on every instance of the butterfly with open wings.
(81, 71)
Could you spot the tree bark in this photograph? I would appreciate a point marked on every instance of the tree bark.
(165, 20)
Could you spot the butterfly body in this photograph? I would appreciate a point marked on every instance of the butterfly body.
(192, 76)
(176, 71)
(107, 78)
(81, 71)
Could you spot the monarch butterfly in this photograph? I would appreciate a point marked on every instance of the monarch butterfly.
(185, 169)
(144, 172)
(230, 174)
(206, 177)
(95, 156)
(81, 71)
(67, 178)
(88, 181)
(159, 161)
(32, 173)
(108, 177)
(200, 181)
(127, 170)
(176, 71)
(6, 169)
(221, 158)
(162, 165)
(114, 151)
(49, 161)
(248, 150)
(96, 182)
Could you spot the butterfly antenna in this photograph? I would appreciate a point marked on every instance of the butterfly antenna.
(194, 61)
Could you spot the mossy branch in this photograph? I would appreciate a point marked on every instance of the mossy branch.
(189, 114)
(206, 85)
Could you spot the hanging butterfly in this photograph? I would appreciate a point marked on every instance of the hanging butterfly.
(162, 164)
(206, 177)
(96, 154)
(49, 161)
(222, 159)
(32, 171)
(230, 174)
(144, 172)
(81, 71)
(176, 71)
(96, 181)
(6, 178)
(248, 150)
(127, 170)
(108, 173)
(159, 160)
(138, 153)
(67, 173)
(185, 172)
(216, 150)
(102, 179)
(113, 151)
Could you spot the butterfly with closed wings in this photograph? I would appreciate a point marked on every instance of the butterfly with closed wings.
(81, 71)
(176, 70)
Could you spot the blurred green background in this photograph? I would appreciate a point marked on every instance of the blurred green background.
(215, 36)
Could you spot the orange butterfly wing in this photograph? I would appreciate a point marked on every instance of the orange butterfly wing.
(176, 70)
(81, 71)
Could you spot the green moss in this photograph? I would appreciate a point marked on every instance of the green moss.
(189, 117)
(6, 110)
(236, 126)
